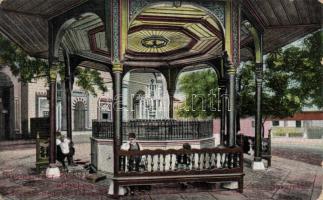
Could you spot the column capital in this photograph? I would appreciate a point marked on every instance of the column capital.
(231, 70)
(53, 73)
(117, 67)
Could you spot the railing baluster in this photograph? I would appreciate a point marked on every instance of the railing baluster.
(146, 163)
(210, 160)
(171, 162)
(199, 161)
(204, 161)
(222, 160)
(164, 162)
(152, 162)
(193, 161)
(158, 163)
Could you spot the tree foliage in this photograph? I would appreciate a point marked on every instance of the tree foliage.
(28, 68)
(292, 79)
(200, 89)
(88, 79)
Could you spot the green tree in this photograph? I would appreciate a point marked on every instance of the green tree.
(292, 79)
(200, 89)
(29, 68)
(278, 97)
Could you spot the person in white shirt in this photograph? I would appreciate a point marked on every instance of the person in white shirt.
(65, 150)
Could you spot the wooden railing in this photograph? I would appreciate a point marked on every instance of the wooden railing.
(166, 162)
(156, 129)
(158, 166)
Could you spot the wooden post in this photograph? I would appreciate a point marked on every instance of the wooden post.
(117, 119)
(232, 107)
(258, 118)
(223, 98)
(171, 93)
(68, 91)
(52, 116)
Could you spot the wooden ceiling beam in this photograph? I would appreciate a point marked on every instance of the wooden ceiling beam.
(293, 26)
(23, 13)
(252, 15)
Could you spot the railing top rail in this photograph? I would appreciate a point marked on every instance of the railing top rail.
(158, 120)
(180, 151)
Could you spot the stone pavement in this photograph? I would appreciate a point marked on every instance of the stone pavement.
(286, 179)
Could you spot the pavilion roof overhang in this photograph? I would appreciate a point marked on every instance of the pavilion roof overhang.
(282, 21)
(26, 21)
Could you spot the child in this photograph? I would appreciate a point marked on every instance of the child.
(132, 145)
(184, 160)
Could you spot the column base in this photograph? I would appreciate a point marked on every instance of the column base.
(258, 165)
(52, 171)
(122, 190)
(230, 185)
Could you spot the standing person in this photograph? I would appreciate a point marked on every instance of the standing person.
(132, 145)
(134, 161)
(65, 149)
(59, 153)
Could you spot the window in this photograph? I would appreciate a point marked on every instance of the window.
(105, 108)
(43, 107)
(275, 123)
(106, 116)
(253, 123)
(298, 124)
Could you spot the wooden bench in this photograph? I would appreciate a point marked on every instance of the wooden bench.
(160, 166)
(247, 141)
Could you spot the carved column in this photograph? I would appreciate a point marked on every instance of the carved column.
(258, 117)
(117, 117)
(223, 102)
(68, 93)
(52, 116)
(232, 106)
(171, 93)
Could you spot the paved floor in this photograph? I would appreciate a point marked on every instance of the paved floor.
(290, 177)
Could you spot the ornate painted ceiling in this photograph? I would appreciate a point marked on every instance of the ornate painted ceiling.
(85, 36)
(166, 33)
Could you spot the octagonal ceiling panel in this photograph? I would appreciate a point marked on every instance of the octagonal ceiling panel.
(167, 33)
(157, 41)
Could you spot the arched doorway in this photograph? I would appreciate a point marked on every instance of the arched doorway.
(6, 106)
(79, 116)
